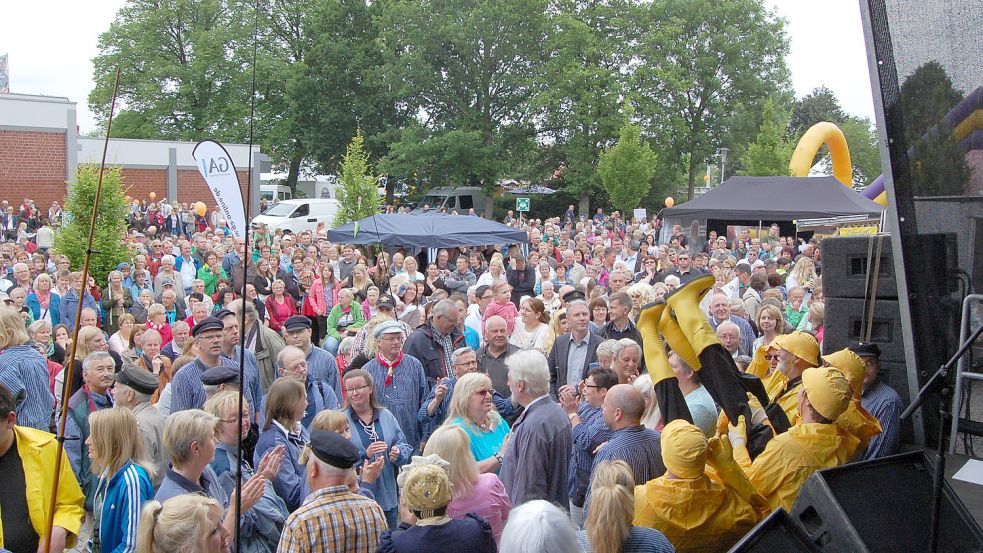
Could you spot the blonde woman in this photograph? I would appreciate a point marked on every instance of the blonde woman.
(803, 274)
(473, 491)
(116, 451)
(608, 528)
(337, 421)
(641, 294)
(472, 409)
(189, 523)
(494, 274)
(120, 340)
(558, 327)
(651, 416)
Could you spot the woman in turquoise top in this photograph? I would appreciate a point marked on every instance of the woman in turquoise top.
(472, 409)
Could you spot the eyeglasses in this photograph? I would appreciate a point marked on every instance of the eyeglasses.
(487, 297)
(357, 389)
(771, 357)
(482, 392)
(472, 363)
(592, 386)
(245, 417)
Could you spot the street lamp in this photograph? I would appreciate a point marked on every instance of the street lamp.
(722, 152)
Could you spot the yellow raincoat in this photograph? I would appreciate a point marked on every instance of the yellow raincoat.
(37, 450)
(790, 458)
(697, 515)
(789, 401)
(859, 423)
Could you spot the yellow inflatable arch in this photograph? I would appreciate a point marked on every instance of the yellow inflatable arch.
(823, 133)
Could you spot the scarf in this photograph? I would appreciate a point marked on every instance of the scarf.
(92, 403)
(390, 367)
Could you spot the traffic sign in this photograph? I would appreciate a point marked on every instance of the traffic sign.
(522, 204)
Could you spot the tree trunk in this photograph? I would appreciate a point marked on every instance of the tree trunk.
(584, 206)
(293, 173)
(691, 179)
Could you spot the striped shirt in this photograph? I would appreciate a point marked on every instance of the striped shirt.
(25, 374)
(590, 433)
(334, 520)
(884, 403)
(322, 366)
(638, 446)
(187, 391)
(639, 540)
(404, 395)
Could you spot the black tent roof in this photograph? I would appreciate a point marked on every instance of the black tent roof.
(776, 198)
(427, 230)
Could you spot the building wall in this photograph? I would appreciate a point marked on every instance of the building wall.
(32, 164)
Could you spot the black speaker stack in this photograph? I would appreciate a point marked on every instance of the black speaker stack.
(849, 292)
(878, 506)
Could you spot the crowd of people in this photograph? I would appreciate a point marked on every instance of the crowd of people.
(502, 398)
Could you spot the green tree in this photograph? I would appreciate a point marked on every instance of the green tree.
(357, 186)
(110, 231)
(698, 63)
(865, 154)
(627, 168)
(769, 154)
(183, 76)
(583, 87)
(469, 67)
(819, 105)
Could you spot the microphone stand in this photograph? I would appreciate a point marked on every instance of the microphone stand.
(940, 384)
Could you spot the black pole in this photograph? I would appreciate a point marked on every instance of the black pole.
(247, 256)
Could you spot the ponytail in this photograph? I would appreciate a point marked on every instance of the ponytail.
(148, 522)
(612, 507)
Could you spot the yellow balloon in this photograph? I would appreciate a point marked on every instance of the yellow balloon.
(129, 199)
(670, 202)
(200, 208)
(153, 195)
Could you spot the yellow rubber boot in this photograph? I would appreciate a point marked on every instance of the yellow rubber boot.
(677, 340)
(654, 350)
(685, 305)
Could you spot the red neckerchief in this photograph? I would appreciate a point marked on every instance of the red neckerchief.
(92, 404)
(389, 367)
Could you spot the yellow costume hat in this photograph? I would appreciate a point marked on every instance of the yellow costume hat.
(852, 366)
(800, 344)
(684, 449)
(828, 391)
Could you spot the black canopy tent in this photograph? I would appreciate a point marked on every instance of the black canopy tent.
(776, 199)
(426, 230)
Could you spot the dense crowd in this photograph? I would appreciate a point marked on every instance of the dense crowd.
(500, 398)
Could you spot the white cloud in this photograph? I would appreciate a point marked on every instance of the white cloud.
(51, 44)
(827, 48)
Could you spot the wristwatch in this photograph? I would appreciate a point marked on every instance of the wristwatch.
(498, 458)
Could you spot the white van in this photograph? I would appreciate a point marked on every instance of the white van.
(296, 216)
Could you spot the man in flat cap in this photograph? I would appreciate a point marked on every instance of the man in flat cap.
(881, 401)
(187, 390)
(400, 381)
(230, 351)
(333, 518)
(321, 365)
(133, 389)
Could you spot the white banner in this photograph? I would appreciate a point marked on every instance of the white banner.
(215, 165)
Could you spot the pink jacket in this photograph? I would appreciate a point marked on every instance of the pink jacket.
(506, 311)
(316, 297)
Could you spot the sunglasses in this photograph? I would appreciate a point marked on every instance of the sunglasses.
(771, 357)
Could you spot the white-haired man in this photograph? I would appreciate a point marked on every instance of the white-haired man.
(537, 458)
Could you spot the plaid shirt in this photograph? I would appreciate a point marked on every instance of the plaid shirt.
(447, 345)
(334, 520)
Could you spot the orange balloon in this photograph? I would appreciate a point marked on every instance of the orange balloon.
(670, 202)
(200, 208)
(153, 195)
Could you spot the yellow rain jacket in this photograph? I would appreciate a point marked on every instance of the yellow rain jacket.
(789, 401)
(775, 382)
(861, 424)
(37, 450)
(697, 515)
(790, 458)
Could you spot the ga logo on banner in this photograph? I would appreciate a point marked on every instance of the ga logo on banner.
(216, 167)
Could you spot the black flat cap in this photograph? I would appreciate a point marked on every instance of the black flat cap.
(868, 349)
(333, 449)
(208, 323)
(222, 374)
(573, 295)
(296, 322)
(141, 380)
(222, 313)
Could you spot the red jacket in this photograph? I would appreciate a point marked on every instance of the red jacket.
(276, 322)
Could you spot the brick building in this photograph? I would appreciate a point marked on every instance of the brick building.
(40, 150)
